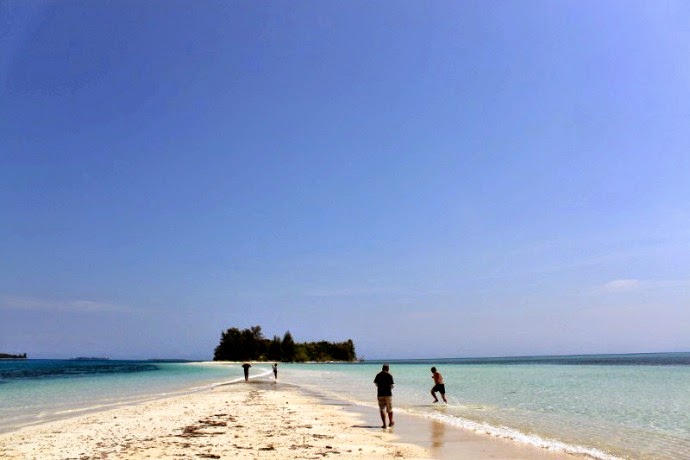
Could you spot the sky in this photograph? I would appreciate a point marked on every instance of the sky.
(430, 179)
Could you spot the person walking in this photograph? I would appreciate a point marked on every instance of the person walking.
(438, 385)
(384, 393)
(275, 370)
(246, 367)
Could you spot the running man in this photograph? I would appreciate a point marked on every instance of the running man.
(438, 385)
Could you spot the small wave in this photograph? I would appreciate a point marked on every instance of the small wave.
(241, 379)
(265, 374)
(229, 382)
(518, 436)
(93, 408)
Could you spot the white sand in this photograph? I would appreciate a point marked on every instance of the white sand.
(255, 420)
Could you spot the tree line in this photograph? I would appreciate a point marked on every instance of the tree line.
(9, 356)
(251, 345)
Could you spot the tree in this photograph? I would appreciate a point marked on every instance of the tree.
(274, 349)
(240, 345)
(230, 346)
(287, 348)
(252, 339)
(301, 353)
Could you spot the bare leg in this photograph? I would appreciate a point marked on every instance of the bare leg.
(383, 418)
(433, 393)
(444, 398)
(390, 419)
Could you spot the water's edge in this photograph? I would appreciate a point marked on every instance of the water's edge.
(365, 411)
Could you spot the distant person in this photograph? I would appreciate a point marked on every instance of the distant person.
(438, 385)
(384, 394)
(246, 367)
(275, 370)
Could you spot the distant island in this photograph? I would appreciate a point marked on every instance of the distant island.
(251, 345)
(88, 358)
(6, 356)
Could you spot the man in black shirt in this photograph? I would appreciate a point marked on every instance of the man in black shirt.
(384, 393)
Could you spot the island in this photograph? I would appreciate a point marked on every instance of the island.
(89, 358)
(8, 356)
(251, 345)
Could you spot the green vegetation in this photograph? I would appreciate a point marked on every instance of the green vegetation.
(6, 356)
(250, 345)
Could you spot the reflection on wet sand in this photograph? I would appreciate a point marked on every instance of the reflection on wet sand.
(438, 431)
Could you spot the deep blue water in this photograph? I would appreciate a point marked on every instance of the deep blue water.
(58, 368)
(637, 359)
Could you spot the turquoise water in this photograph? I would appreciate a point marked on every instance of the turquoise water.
(35, 391)
(606, 407)
(601, 410)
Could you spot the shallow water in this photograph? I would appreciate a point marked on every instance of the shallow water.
(629, 406)
(619, 410)
(34, 391)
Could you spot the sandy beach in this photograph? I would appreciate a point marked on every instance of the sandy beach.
(255, 420)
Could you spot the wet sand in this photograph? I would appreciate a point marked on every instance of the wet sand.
(444, 441)
(448, 442)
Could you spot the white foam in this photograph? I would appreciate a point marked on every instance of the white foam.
(518, 436)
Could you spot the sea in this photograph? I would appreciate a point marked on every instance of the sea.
(598, 406)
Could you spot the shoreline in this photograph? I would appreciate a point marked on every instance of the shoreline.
(259, 419)
(444, 441)
(447, 442)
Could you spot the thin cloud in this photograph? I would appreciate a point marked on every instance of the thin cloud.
(35, 304)
(423, 315)
(622, 285)
(629, 285)
(352, 292)
(345, 292)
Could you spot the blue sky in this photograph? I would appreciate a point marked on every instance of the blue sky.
(430, 179)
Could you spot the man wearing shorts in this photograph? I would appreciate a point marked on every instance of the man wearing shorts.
(384, 393)
(438, 385)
